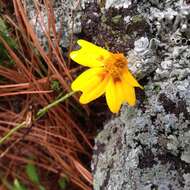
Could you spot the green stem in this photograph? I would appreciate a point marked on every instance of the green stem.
(11, 132)
(42, 111)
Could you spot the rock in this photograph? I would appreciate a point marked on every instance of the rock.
(116, 29)
(64, 11)
(147, 147)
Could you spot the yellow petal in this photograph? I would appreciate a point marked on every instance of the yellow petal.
(85, 80)
(114, 95)
(90, 47)
(128, 94)
(128, 77)
(89, 55)
(95, 90)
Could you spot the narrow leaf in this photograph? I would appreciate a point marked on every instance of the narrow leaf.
(32, 173)
(18, 185)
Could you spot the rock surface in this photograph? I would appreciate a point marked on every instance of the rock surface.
(148, 147)
(67, 18)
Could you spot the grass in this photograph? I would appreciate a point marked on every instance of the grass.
(58, 144)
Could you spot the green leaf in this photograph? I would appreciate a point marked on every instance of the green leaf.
(3, 27)
(41, 187)
(32, 173)
(5, 59)
(5, 34)
(63, 182)
(55, 85)
(18, 185)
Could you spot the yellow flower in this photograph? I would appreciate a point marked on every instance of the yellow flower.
(108, 73)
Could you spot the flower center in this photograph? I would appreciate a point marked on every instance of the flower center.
(115, 65)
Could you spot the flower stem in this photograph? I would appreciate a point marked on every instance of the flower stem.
(39, 114)
(13, 130)
(44, 110)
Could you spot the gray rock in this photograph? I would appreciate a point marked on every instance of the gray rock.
(147, 147)
(64, 11)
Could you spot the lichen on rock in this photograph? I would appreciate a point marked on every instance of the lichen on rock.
(67, 18)
(148, 146)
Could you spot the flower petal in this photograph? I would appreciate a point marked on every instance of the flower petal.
(85, 80)
(90, 47)
(114, 95)
(89, 55)
(128, 77)
(128, 93)
(95, 89)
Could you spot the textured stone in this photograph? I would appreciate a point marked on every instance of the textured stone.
(64, 11)
(147, 147)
